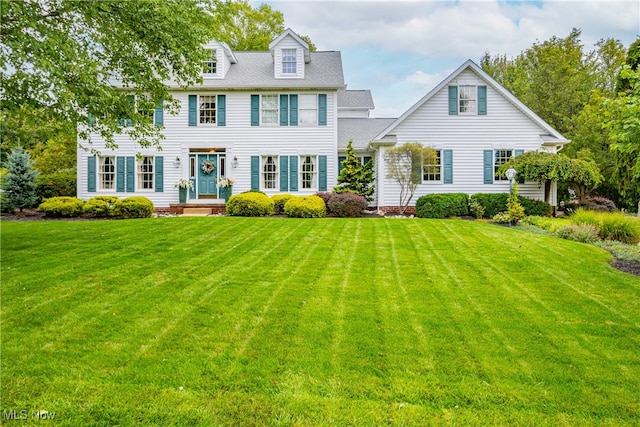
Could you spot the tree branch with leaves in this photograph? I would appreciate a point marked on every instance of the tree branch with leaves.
(404, 165)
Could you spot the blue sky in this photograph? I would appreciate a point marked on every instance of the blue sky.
(402, 49)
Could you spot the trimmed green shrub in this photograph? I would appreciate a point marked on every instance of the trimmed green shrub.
(305, 207)
(536, 207)
(250, 203)
(99, 206)
(442, 205)
(133, 207)
(63, 206)
(347, 205)
(585, 233)
(492, 203)
(279, 201)
(55, 185)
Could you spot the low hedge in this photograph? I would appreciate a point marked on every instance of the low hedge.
(347, 205)
(442, 205)
(100, 206)
(251, 203)
(305, 207)
(133, 207)
(326, 196)
(64, 206)
(494, 203)
(279, 201)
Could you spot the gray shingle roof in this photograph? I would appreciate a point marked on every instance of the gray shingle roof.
(360, 130)
(355, 99)
(255, 70)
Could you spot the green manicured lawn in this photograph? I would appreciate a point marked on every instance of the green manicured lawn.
(239, 321)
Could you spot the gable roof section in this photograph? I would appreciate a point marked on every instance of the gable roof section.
(355, 99)
(254, 71)
(552, 133)
(360, 130)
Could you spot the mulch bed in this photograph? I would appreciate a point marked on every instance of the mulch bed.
(631, 267)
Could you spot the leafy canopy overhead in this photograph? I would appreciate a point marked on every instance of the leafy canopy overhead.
(62, 58)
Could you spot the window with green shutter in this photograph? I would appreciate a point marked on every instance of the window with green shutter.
(91, 175)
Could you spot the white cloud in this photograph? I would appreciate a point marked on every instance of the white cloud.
(427, 81)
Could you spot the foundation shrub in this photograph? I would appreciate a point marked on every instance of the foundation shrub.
(251, 203)
(56, 185)
(536, 207)
(347, 205)
(133, 207)
(279, 200)
(63, 206)
(326, 196)
(491, 203)
(442, 205)
(99, 206)
(305, 207)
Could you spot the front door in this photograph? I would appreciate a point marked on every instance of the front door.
(207, 178)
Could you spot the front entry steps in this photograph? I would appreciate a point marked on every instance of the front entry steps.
(196, 212)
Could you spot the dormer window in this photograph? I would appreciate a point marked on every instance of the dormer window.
(289, 61)
(210, 64)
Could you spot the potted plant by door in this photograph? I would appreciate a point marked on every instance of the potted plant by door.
(225, 185)
(183, 186)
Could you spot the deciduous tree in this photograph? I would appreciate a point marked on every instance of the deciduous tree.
(404, 165)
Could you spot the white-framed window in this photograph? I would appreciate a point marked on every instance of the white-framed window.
(308, 172)
(269, 109)
(432, 168)
(210, 65)
(107, 173)
(308, 109)
(289, 60)
(500, 157)
(270, 172)
(145, 173)
(467, 99)
(207, 110)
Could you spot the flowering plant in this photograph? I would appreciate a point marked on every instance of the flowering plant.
(207, 167)
(184, 183)
(225, 182)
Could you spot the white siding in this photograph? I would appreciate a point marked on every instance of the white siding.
(504, 127)
(238, 138)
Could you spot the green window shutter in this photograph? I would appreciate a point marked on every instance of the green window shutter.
(488, 166)
(293, 110)
(284, 173)
(322, 173)
(255, 110)
(131, 99)
(284, 110)
(448, 166)
(159, 166)
(91, 120)
(193, 110)
(340, 165)
(293, 173)
(222, 110)
(120, 174)
(159, 115)
(519, 178)
(130, 173)
(91, 185)
(255, 172)
(322, 109)
(453, 100)
(482, 100)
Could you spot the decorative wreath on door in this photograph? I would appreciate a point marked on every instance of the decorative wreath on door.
(207, 167)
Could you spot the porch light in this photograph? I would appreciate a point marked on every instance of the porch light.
(176, 163)
(235, 162)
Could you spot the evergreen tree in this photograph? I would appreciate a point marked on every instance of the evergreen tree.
(356, 177)
(19, 184)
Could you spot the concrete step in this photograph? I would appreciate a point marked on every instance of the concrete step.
(196, 212)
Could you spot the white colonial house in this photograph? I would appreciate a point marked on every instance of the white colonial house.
(279, 122)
